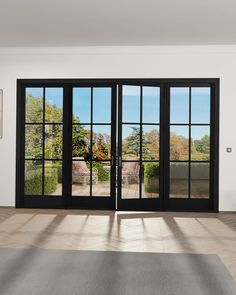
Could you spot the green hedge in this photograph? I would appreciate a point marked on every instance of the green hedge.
(58, 166)
(103, 175)
(151, 177)
(50, 180)
(33, 181)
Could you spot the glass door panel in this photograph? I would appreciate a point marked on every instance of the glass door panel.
(93, 141)
(43, 143)
(139, 146)
(189, 145)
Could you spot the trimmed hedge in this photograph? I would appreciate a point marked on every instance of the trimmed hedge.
(50, 180)
(33, 181)
(103, 175)
(58, 166)
(151, 177)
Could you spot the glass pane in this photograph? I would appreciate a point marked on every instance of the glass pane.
(130, 180)
(34, 105)
(101, 179)
(150, 143)
(80, 178)
(201, 99)
(131, 142)
(151, 104)
(179, 143)
(101, 142)
(101, 105)
(179, 105)
(82, 105)
(53, 105)
(200, 180)
(33, 178)
(200, 143)
(179, 180)
(53, 142)
(33, 141)
(53, 178)
(131, 104)
(81, 138)
(150, 186)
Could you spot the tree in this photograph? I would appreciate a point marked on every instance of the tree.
(203, 145)
(151, 151)
(179, 147)
(101, 146)
(34, 109)
(34, 133)
(80, 142)
(131, 144)
(53, 134)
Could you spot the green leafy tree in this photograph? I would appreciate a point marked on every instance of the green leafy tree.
(203, 145)
(81, 142)
(33, 133)
(34, 109)
(131, 144)
(53, 133)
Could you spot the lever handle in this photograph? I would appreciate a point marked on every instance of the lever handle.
(112, 160)
(120, 161)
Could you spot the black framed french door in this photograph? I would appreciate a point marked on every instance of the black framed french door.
(140, 165)
(92, 127)
(191, 142)
(66, 144)
(165, 156)
(168, 145)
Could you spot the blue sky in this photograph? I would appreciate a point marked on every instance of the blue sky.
(53, 95)
(179, 105)
(179, 108)
(101, 104)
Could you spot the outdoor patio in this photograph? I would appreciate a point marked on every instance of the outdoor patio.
(131, 191)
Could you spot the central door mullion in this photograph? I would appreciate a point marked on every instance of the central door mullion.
(190, 143)
(113, 144)
(141, 143)
(91, 146)
(67, 144)
(164, 135)
(43, 150)
(119, 180)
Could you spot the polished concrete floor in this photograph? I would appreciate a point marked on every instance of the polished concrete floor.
(121, 231)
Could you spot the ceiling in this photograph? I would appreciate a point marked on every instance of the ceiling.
(117, 22)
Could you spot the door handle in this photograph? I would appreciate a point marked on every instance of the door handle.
(112, 160)
(120, 161)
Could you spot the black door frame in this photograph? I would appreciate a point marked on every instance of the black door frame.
(66, 200)
(139, 204)
(201, 205)
(109, 203)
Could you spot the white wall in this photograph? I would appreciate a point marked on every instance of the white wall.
(118, 62)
